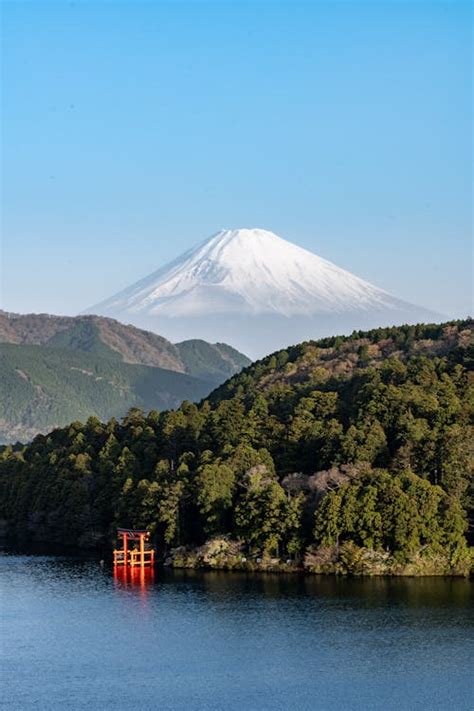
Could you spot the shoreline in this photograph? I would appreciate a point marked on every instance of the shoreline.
(215, 556)
(257, 570)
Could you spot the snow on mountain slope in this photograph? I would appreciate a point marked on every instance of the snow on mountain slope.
(251, 270)
(244, 282)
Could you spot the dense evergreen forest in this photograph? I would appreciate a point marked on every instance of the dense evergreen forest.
(349, 454)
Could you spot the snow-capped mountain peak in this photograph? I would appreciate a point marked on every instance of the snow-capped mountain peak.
(250, 270)
(248, 276)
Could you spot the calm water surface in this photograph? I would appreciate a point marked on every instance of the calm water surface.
(73, 636)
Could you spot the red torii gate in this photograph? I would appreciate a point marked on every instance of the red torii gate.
(132, 556)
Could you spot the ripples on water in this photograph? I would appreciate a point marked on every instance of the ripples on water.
(76, 637)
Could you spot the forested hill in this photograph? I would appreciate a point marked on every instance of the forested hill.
(312, 362)
(342, 455)
(108, 338)
(42, 388)
(54, 369)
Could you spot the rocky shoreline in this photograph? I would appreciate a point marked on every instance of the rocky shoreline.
(347, 559)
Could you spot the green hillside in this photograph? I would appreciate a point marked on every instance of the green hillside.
(347, 455)
(211, 361)
(84, 336)
(56, 369)
(109, 338)
(43, 387)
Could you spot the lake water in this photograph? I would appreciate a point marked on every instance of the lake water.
(73, 636)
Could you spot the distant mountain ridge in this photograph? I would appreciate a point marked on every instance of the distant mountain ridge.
(110, 338)
(56, 369)
(251, 288)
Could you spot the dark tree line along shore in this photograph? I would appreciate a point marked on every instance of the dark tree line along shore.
(343, 455)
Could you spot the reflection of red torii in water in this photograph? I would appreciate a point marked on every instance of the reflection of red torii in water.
(140, 577)
(132, 556)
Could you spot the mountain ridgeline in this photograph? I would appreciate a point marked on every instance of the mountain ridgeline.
(348, 455)
(257, 291)
(56, 369)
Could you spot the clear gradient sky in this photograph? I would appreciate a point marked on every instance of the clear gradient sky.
(132, 130)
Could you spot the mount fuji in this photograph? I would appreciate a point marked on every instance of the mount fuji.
(257, 291)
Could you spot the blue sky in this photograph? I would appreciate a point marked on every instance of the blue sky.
(132, 130)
